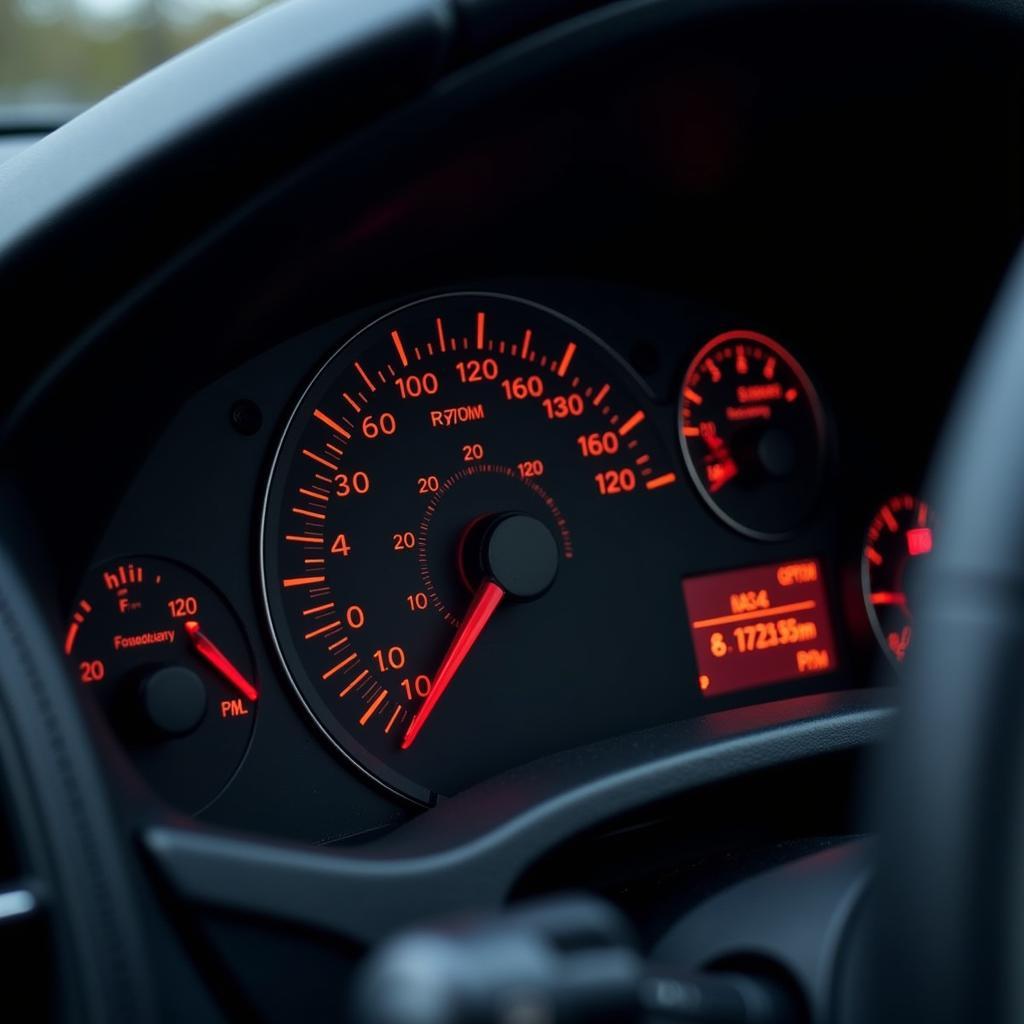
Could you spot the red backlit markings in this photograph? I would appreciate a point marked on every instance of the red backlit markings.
(319, 458)
(372, 709)
(524, 350)
(633, 421)
(355, 682)
(362, 373)
(340, 665)
(570, 351)
(303, 581)
(122, 576)
(399, 348)
(335, 426)
(77, 618)
(660, 481)
(919, 541)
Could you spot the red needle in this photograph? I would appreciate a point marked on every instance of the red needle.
(207, 649)
(485, 602)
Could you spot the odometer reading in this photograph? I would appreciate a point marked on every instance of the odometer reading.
(444, 507)
(753, 627)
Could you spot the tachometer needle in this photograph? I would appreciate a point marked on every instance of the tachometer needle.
(211, 653)
(485, 602)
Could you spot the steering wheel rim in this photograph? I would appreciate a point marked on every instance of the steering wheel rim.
(950, 884)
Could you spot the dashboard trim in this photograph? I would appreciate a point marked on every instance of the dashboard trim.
(469, 851)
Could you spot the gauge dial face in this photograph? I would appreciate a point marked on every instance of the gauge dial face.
(899, 536)
(752, 433)
(454, 508)
(165, 657)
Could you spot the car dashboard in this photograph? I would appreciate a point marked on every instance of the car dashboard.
(572, 417)
(614, 342)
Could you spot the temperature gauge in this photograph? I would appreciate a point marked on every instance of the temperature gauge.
(167, 660)
(752, 433)
(900, 535)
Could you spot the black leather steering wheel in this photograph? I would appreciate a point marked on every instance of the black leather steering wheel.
(950, 913)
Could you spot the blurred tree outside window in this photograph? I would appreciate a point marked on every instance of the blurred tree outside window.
(70, 53)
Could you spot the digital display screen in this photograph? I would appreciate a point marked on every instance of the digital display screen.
(753, 627)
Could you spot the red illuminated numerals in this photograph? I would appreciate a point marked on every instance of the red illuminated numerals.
(413, 386)
(340, 546)
(91, 671)
(420, 686)
(392, 658)
(417, 602)
(427, 484)
(519, 388)
(562, 407)
(404, 541)
(598, 444)
(472, 371)
(471, 453)
(355, 617)
(719, 648)
(346, 484)
(615, 481)
(382, 426)
(532, 467)
(183, 607)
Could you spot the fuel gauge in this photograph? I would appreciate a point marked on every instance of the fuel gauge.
(166, 659)
(899, 536)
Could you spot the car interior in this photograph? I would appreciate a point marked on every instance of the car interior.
(513, 513)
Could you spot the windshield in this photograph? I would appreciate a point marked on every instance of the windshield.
(57, 56)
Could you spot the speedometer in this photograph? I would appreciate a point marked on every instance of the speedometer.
(454, 541)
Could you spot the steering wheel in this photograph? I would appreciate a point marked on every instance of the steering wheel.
(949, 921)
(951, 916)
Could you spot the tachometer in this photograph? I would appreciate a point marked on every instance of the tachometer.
(753, 433)
(451, 536)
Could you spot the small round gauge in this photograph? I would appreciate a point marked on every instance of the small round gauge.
(900, 535)
(465, 500)
(752, 433)
(165, 657)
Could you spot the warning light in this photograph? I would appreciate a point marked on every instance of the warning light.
(757, 626)
(919, 540)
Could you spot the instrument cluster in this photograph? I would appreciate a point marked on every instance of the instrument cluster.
(453, 536)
